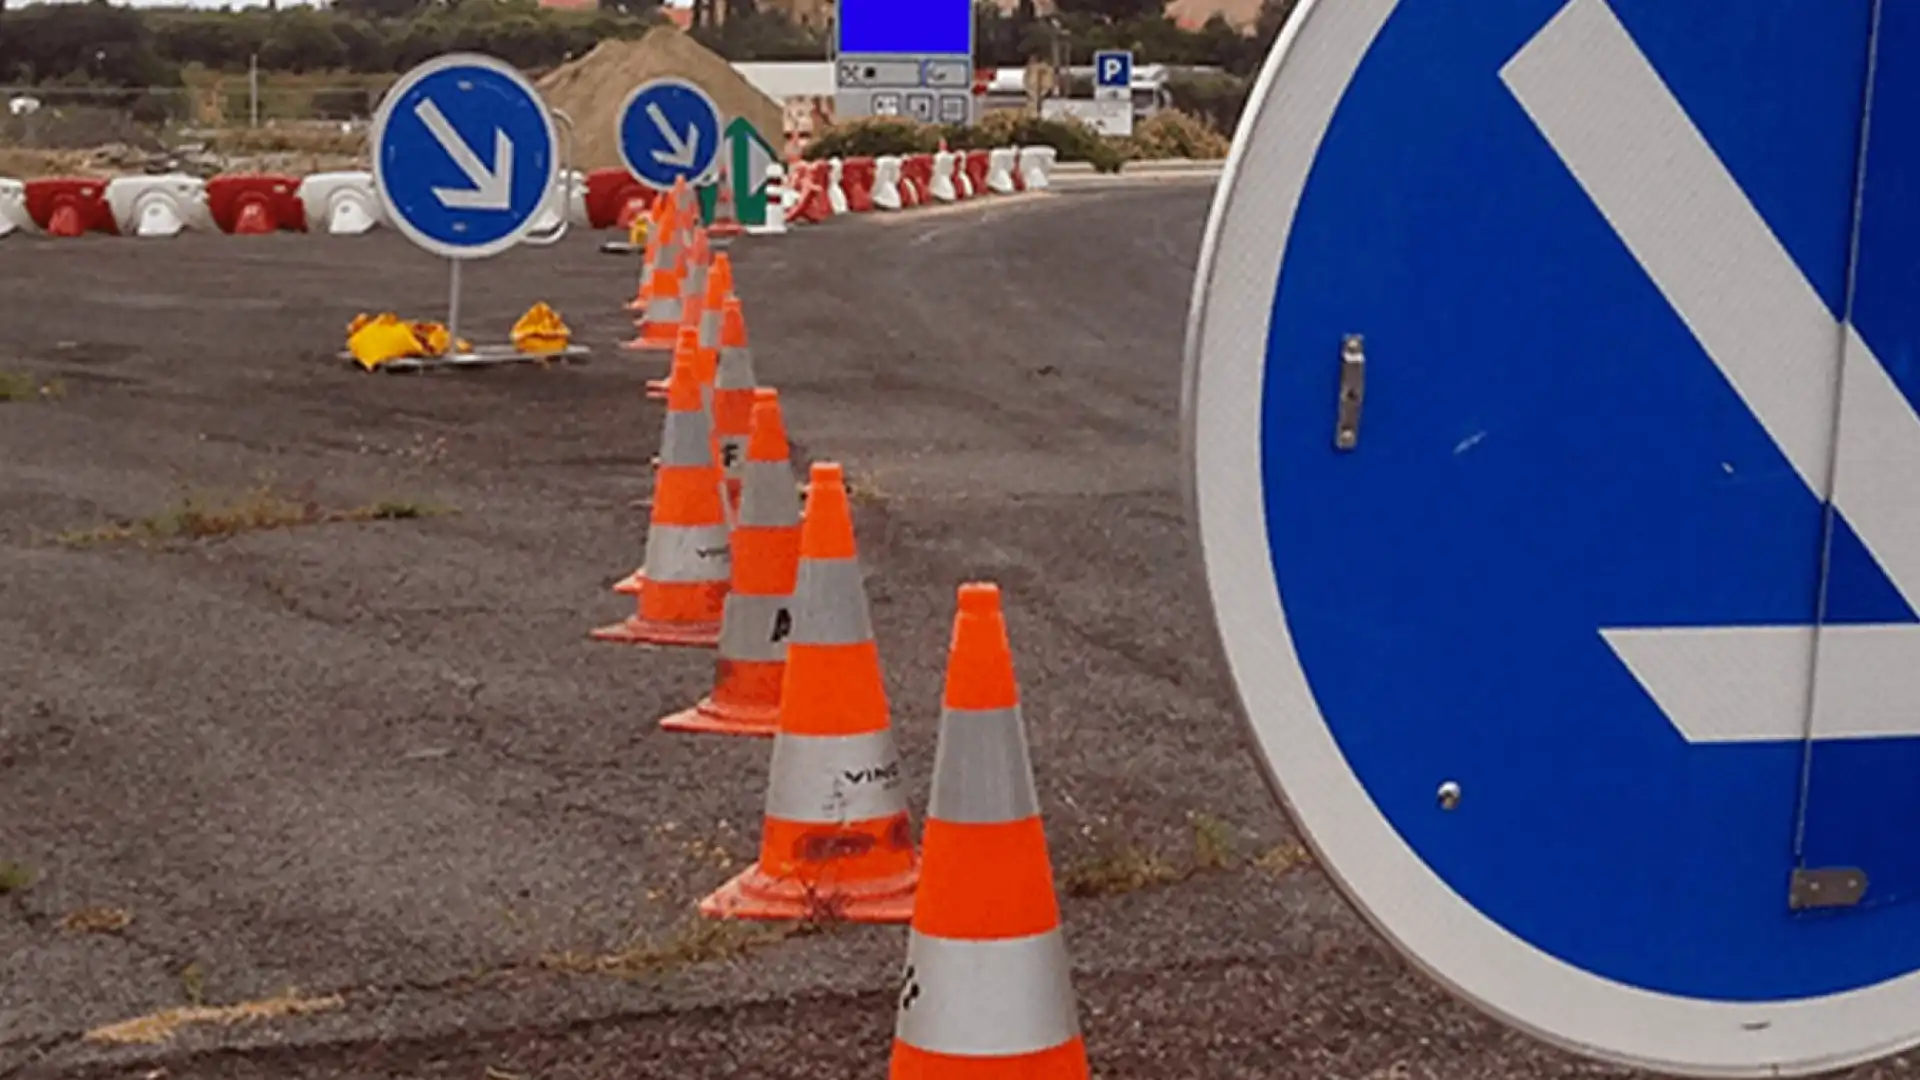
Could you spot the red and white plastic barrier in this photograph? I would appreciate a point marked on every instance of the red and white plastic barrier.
(346, 204)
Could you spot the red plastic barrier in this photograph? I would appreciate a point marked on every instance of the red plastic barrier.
(609, 192)
(814, 206)
(249, 204)
(916, 176)
(856, 179)
(978, 164)
(70, 205)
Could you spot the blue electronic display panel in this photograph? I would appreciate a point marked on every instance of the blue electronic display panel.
(906, 27)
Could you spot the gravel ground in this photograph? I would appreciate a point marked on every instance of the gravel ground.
(381, 761)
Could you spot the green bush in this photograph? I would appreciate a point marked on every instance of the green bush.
(1171, 133)
(1217, 100)
(883, 136)
(878, 136)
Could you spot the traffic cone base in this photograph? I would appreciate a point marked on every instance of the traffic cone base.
(634, 630)
(715, 717)
(759, 895)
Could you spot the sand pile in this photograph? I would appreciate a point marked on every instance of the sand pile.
(591, 90)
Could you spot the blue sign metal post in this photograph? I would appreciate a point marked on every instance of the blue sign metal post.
(670, 130)
(1554, 429)
(464, 157)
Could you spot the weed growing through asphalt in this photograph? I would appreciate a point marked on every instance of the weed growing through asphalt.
(193, 983)
(198, 517)
(1119, 866)
(18, 386)
(15, 877)
(702, 941)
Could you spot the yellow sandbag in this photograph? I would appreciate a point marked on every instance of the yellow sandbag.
(381, 339)
(540, 331)
(637, 231)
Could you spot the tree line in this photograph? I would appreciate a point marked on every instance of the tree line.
(103, 45)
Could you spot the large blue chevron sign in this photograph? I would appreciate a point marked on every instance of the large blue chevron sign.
(464, 155)
(1552, 390)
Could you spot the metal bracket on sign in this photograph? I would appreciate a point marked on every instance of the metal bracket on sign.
(1353, 391)
(1827, 887)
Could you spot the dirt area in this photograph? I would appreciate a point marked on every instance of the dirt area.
(592, 90)
(317, 775)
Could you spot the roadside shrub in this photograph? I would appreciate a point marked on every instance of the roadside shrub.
(1075, 140)
(1170, 133)
(1215, 99)
(882, 136)
(877, 136)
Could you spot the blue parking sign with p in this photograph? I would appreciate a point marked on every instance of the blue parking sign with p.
(1113, 70)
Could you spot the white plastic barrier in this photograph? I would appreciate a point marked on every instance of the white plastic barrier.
(568, 198)
(1036, 166)
(778, 199)
(150, 206)
(836, 187)
(962, 180)
(1000, 170)
(942, 188)
(13, 207)
(341, 203)
(886, 184)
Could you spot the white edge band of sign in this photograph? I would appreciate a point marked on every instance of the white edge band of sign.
(1293, 103)
(626, 106)
(376, 136)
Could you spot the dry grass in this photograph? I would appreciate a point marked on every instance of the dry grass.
(703, 941)
(19, 386)
(98, 919)
(318, 138)
(1117, 870)
(1284, 858)
(23, 164)
(159, 1027)
(197, 517)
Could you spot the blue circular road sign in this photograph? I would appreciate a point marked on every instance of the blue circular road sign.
(669, 129)
(1551, 418)
(464, 155)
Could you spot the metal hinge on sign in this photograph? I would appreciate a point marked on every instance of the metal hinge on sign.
(1353, 390)
(1828, 887)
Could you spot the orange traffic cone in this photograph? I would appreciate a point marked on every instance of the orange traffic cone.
(836, 843)
(759, 609)
(660, 327)
(987, 989)
(709, 315)
(701, 364)
(663, 249)
(733, 398)
(726, 221)
(683, 585)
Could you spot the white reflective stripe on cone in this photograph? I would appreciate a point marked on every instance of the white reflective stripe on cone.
(768, 497)
(830, 603)
(736, 369)
(981, 772)
(686, 439)
(688, 554)
(709, 328)
(998, 998)
(756, 628)
(835, 779)
(663, 309)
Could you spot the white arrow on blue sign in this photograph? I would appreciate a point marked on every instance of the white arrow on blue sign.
(464, 155)
(669, 130)
(1113, 70)
(1554, 423)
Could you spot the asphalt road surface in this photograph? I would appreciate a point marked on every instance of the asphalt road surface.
(378, 764)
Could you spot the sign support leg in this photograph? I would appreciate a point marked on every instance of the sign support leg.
(453, 310)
